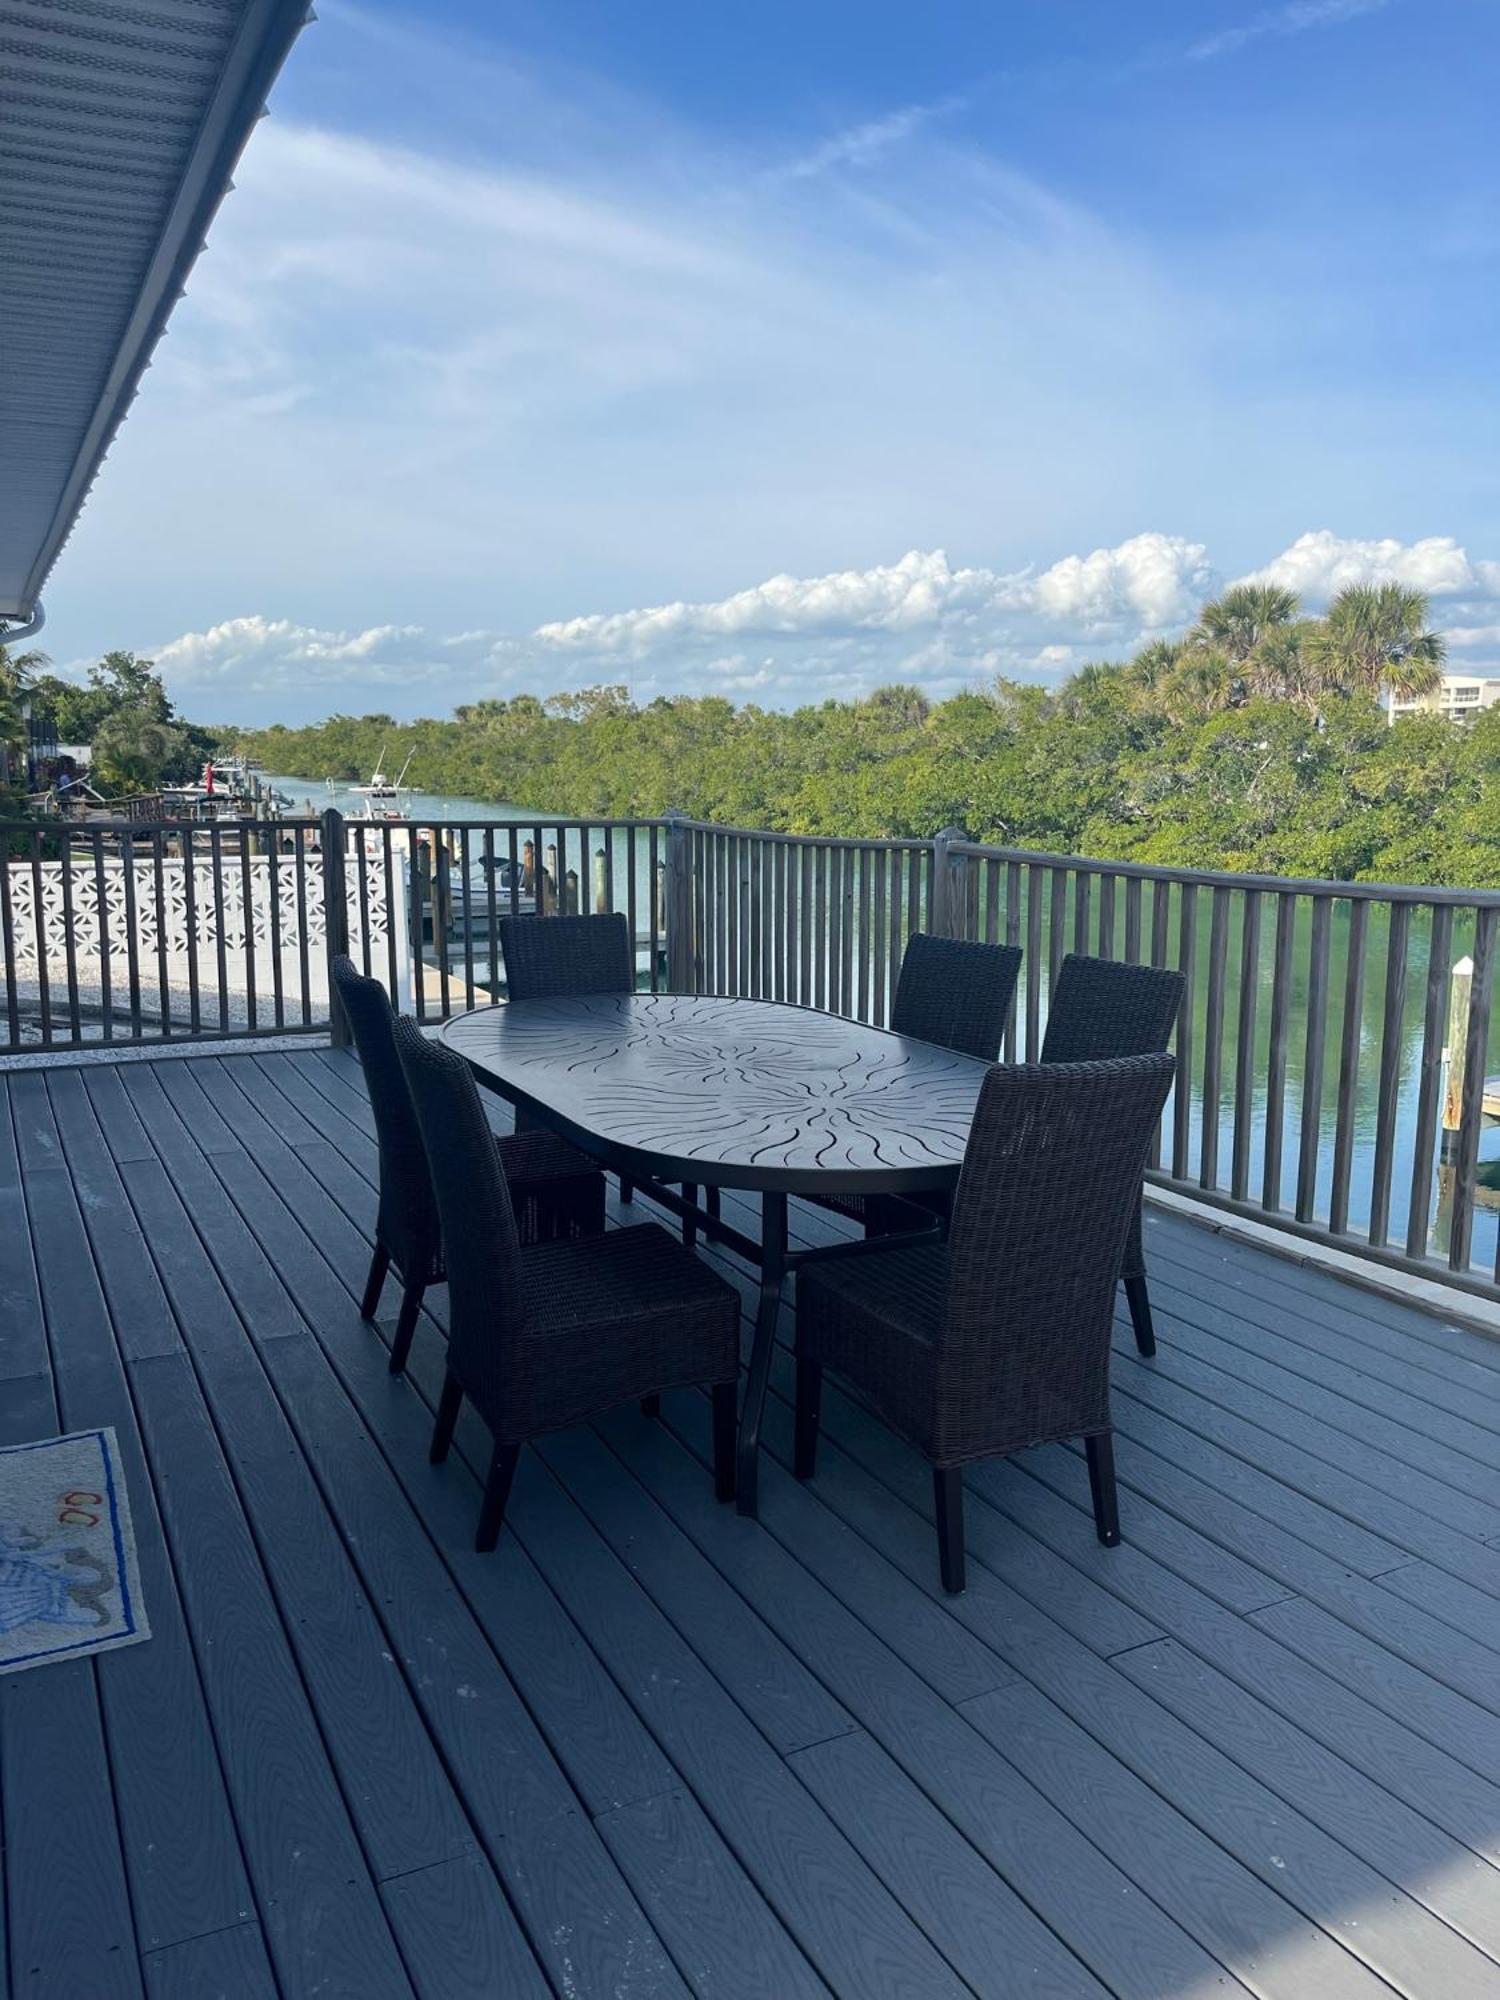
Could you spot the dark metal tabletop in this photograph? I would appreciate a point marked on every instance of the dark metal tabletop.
(732, 1093)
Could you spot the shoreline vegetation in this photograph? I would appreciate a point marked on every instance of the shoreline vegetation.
(1259, 743)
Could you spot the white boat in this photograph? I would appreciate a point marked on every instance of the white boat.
(382, 798)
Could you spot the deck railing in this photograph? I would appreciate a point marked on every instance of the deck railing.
(1334, 1041)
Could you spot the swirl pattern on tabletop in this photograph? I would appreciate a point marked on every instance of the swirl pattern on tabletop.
(749, 1093)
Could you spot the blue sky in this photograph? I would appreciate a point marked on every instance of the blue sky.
(789, 349)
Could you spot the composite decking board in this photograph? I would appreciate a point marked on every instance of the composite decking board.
(407, 1814)
(1311, 1463)
(1404, 1846)
(1394, 1936)
(1093, 1893)
(564, 1688)
(224, 1965)
(718, 1926)
(1323, 1705)
(1464, 1456)
(786, 1701)
(1450, 1720)
(58, 1807)
(1320, 1298)
(318, 1905)
(1230, 1381)
(994, 1940)
(460, 1936)
(1353, 1367)
(180, 1841)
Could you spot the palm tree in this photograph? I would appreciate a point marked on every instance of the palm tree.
(1237, 623)
(1374, 640)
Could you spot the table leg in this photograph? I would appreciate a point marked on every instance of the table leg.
(689, 1226)
(772, 1284)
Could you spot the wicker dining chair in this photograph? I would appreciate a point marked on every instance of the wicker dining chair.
(545, 1337)
(956, 993)
(1100, 1008)
(549, 957)
(998, 1338)
(556, 1190)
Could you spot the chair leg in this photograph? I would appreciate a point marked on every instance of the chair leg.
(651, 1406)
(496, 1493)
(406, 1324)
(449, 1405)
(809, 1406)
(1139, 1301)
(1101, 1456)
(380, 1263)
(725, 1415)
(711, 1200)
(948, 1501)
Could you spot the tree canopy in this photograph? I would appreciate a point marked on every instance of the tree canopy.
(1257, 742)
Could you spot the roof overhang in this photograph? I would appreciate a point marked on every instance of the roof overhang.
(120, 126)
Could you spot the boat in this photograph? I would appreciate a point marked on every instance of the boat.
(382, 798)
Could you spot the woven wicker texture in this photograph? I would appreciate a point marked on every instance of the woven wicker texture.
(1100, 1009)
(956, 994)
(551, 957)
(545, 1337)
(999, 1338)
(555, 1189)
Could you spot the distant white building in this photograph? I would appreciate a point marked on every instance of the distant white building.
(1457, 697)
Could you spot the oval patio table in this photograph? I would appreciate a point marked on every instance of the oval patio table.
(716, 1093)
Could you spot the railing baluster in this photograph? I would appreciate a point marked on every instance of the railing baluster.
(159, 901)
(848, 858)
(190, 918)
(39, 920)
(1106, 916)
(272, 859)
(221, 941)
(1353, 1023)
(1057, 936)
(304, 955)
(879, 859)
(862, 995)
(247, 900)
(101, 920)
(1388, 1093)
(1083, 889)
(442, 910)
(1244, 1045)
(1429, 1081)
(1213, 1040)
(1036, 882)
(1313, 1059)
(1276, 1053)
(653, 844)
(1132, 920)
(12, 961)
(70, 943)
(1471, 1117)
(1182, 1088)
(464, 863)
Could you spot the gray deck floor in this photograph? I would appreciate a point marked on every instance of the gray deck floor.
(647, 1748)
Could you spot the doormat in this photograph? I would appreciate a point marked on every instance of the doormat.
(69, 1583)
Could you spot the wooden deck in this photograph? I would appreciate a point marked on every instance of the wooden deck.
(648, 1748)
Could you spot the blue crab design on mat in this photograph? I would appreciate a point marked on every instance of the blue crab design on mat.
(47, 1586)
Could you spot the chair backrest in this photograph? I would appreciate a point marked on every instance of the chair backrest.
(1101, 1008)
(408, 1211)
(955, 993)
(552, 957)
(480, 1243)
(1050, 1184)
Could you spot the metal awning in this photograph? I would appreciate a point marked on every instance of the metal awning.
(120, 125)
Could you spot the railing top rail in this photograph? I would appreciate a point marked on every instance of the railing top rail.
(1358, 892)
(795, 839)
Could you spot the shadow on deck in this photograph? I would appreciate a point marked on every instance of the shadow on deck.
(648, 1748)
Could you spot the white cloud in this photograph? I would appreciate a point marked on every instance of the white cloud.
(1319, 564)
(797, 639)
(1281, 22)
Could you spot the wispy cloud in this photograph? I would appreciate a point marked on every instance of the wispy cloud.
(863, 144)
(1297, 18)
